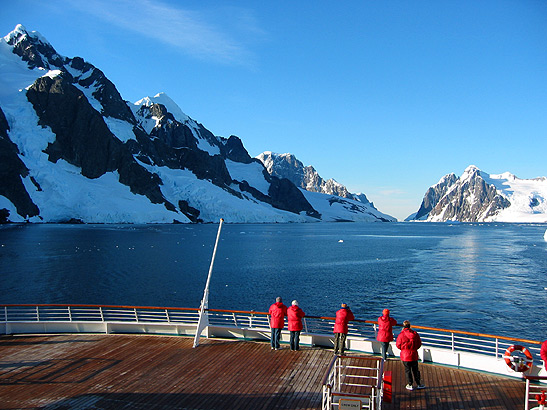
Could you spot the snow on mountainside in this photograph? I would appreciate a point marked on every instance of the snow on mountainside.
(306, 177)
(288, 166)
(71, 149)
(477, 196)
(340, 204)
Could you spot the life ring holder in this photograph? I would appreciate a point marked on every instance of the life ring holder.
(516, 362)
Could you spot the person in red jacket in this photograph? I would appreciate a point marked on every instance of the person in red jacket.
(543, 353)
(277, 312)
(343, 316)
(294, 316)
(409, 342)
(385, 331)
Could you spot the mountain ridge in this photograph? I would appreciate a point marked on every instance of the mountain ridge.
(74, 150)
(477, 196)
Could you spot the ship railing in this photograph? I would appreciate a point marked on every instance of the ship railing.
(536, 392)
(57, 318)
(452, 347)
(355, 381)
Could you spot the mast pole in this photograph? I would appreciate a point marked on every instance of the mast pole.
(203, 320)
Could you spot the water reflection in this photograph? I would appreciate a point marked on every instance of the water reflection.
(483, 278)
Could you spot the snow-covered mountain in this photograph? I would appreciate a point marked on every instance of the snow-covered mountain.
(288, 166)
(306, 177)
(480, 197)
(71, 149)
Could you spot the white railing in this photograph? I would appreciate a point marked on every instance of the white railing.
(536, 392)
(359, 385)
(457, 348)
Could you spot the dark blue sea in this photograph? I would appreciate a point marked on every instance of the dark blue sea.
(489, 278)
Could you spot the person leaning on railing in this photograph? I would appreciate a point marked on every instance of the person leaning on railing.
(543, 353)
(294, 317)
(343, 316)
(385, 331)
(277, 312)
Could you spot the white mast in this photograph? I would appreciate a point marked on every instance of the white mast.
(203, 320)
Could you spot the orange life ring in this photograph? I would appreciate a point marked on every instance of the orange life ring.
(517, 362)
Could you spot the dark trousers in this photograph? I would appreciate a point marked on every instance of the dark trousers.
(276, 335)
(411, 368)
(339, 343)
(384, 346)
(295, 339)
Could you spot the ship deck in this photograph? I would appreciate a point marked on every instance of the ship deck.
(88, 371)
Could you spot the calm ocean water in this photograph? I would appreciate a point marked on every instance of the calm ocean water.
(488, 278)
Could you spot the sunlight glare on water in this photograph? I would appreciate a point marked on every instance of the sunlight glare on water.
(487, 278)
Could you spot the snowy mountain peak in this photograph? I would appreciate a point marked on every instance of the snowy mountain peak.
(470, 172)
(306, 177)
(20, 33)
(168, 103)
(33, 48)
(17, 35)
(74, 151)
(481, 197)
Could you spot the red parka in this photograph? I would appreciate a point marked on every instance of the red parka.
(343, 316)
(408, 342)
(278, 311)
(385, 328)
(543, 353)
(294, 316)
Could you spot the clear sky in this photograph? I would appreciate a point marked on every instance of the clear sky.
(386, 97)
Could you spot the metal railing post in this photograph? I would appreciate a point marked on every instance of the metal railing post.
(339, 371)
(69, 314)
(526, 395)
(37, 313)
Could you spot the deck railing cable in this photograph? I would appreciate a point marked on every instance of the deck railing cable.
(455, 340)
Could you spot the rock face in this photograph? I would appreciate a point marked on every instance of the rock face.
(306, 177)
(341, 205)
(12, 169)
(434, 195)
(480, 197)
(71, 149)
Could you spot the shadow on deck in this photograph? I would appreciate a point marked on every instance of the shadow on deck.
(165, 372)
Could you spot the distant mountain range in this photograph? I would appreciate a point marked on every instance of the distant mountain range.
(477, 196)
(72, 150)
(306, 177)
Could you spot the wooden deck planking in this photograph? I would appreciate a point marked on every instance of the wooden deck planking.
(451, 388)
(165, 372)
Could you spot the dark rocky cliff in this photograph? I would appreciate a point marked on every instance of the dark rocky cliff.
(466, 199)
(63, 103)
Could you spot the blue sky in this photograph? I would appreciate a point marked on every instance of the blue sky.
(384, 97)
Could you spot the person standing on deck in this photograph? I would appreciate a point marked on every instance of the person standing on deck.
(294, 316)
(385, 331)
(343, 316)
(409, 342)
(277, 312)
(543, 353)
